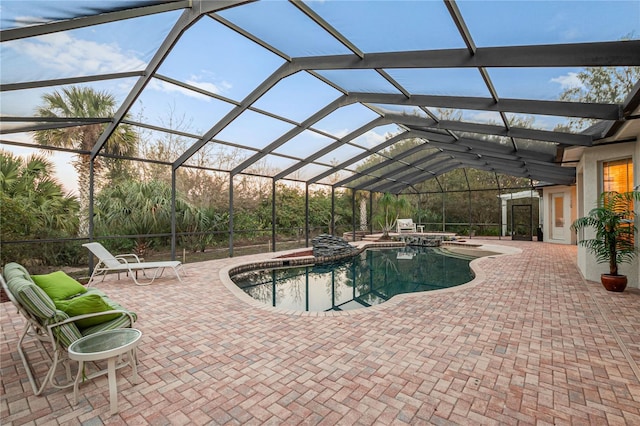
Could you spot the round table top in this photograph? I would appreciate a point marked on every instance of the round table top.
(104, 344)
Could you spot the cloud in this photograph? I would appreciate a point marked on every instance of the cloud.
(197, 81)
(194, 80)
(489, 117)
(370, 139)
(72, 56)
(568, 81)
(163, 86)
(25, 21)
(66, 55)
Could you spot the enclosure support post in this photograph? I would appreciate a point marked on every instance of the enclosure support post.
(230, 215)
(469, 193)
(353, 215)
(333, 211)
(370, 212)
(500, 203)
(90, 212)
(273, 215)
(444, 214)
(173, 214)
(306, 215)
(419, 212)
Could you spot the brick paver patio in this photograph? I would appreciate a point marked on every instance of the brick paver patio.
(528, 342)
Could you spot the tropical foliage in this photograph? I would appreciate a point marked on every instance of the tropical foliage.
(33, 205)
(390, 209)
(85, 103)
(142, 209)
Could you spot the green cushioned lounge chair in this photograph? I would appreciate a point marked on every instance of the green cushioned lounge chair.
(51, 329)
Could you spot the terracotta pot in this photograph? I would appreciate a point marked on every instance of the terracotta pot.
(614, 282)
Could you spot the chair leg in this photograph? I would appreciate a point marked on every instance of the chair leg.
(38, 388)
(176, 271)
(96, 271)
(143, 273)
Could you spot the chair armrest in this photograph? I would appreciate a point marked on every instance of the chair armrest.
(124, 257)
(50, 327)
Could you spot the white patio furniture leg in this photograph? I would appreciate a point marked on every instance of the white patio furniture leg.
(113, 385)
(77, 381)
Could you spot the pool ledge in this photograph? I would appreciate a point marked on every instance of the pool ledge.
(236, 265)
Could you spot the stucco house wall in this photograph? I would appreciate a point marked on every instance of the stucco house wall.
(565, 236)
(589, 186)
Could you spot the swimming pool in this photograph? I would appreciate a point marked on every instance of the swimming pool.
(370, 278)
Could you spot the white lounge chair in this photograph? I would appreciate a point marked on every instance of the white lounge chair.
(129, 263)
(405, 225)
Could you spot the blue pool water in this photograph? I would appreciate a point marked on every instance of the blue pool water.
(370, 278)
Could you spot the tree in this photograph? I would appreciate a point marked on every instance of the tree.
(141, 208)
(33, 205)
(391, 207)
(600, 85)
(84, 102)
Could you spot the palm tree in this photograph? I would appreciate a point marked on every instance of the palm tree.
(391, 208)
(28, 183)
(84, 102)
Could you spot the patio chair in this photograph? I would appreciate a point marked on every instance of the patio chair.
(48, 331)
(129, 263)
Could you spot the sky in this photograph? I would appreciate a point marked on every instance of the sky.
(216, 59)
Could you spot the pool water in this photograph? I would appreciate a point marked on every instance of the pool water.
(368, 279)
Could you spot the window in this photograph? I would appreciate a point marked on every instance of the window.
(618, 177)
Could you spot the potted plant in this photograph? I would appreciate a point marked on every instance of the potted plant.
(614, 223)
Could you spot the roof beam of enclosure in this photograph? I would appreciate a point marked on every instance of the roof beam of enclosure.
(396, 187)
(401, 174)
(319, 115)
(188, 18)
(517, 166)
(405, 166)
(357, 158)
(379, 121)
(71, 80)
(466, 36)
(284, 71)
(236, 103)
(420, 166)
(544, 171)
(48, 125)
(417, 178)
(450, 145)
(524, 106)
(87, 21)
(613, 53)
(249, 35)
(326, 26)
(415, 122)
(545, 176)
(478, 146)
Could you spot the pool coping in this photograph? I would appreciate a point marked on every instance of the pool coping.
(275, 260)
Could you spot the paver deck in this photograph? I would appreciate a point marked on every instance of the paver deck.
(528, 342)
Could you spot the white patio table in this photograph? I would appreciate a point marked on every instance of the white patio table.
(107, 345)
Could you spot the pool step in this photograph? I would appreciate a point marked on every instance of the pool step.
(444, 250)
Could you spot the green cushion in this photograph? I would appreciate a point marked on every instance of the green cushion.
(32, 298)
(14, 270)
(86, 304)
(58, 285)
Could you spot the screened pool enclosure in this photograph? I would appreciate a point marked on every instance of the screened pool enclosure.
(189, 126)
